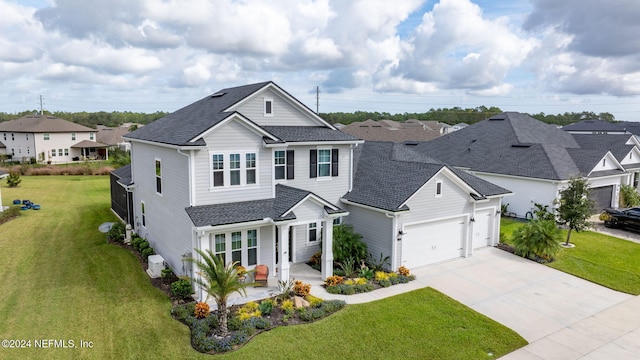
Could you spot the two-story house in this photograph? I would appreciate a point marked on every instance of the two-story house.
(256, 177)
(45, 138)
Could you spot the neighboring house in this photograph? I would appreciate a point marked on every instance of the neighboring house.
(595, 127)
(255, 176)
(3, 174)
(48, 138)
(417, 210)
(533, 159)
(395, 131)
(113, 136)
(454, 127)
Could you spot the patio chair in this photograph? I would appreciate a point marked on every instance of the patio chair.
(261, 275)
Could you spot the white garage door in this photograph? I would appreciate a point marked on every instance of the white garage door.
(432, 242)
(482, 228)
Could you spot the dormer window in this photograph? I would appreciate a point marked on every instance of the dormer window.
(268, 107)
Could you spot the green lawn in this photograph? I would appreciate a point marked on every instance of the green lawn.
(599, 258)
(62, 281)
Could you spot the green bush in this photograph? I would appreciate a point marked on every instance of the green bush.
(537, 240)
(146, 252)
(348, 244)
(117, 232)
(384, 283)
(135, 241)
(143, 245)
(629, 196)
(266, 307)
(13, 180)
(182, 288)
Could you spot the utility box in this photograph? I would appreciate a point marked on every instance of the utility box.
(156, 265)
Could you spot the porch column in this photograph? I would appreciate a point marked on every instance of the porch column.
(327, 249)
(283, 252)
(203, 243)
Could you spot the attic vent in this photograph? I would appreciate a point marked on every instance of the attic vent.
(411, 143)
(364, 125)
(498, 117)
(521, 145)
(217, 95)
(377, 126)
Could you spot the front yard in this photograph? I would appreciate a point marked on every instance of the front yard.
(599, 258)
(62, 281)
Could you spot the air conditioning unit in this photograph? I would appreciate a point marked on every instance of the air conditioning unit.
(156, 265)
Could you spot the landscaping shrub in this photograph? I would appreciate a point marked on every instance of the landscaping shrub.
(348, 266)
(402, 270)
(287, 306)
(117, 232)
(385, 283)
(316, 258)
(13, 180)
(234, 323)
(145, 253)
(348, 244)
(135, 241)
(381, 275)
(249, 310)
(378, 264)
(537, 240)
(266, 307)
(363, 288)
(324, 309)
(629, 196)
(286, 289)
(143, 245)
(367, 273)
(181, 288)
(333, 280)
(202, 310)
(301, 289)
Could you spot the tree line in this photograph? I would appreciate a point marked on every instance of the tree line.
(449, 116)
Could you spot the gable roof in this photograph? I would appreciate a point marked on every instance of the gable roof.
(594, 125)
(42, 124)
(184, 126)
(515, 144)
(389, 174)
(616, 143)
(276, 209)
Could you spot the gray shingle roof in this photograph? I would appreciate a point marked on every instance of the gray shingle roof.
(306, 133)
(124, 175)
(2, 145)
(510, 143)
(616, 143)
(183, 125)
(245, 211)
(593, 125)
(42, 124)
(388, 174)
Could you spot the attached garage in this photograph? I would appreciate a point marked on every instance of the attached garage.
(482, 228)
(601, 197)
(433, 241)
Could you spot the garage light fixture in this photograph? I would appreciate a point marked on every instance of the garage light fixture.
(472, 220)
(400, 233)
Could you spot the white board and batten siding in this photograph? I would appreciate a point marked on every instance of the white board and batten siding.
(167, 230)
(284, 113)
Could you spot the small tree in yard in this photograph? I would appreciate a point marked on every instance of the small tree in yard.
(575, 207)
(13, 180)
(538, 238)
(219, 281)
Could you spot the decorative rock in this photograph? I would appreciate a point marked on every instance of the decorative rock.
(299, 302)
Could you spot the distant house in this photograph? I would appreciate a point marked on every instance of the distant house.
(49, 139)
(595, 127)
(536, 160)
(113, 136)
(394, 131)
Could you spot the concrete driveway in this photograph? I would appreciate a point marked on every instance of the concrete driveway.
(560, 315)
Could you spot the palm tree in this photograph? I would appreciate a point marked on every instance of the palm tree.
(219, 281)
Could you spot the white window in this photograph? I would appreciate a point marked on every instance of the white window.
(60, 152)
(53, 153)
(92, 135)
(143, 213)
(279, 164)
(66, 152)
(73, 136)
(324, 163)
(314, 233)
(238, 246)
(439, 188)
(268, 107)
(252, 247)
(218, 170)
(234, 166)
(158, 176)
(45, 136)
(250, 167)
(237, 169)
(220, 247)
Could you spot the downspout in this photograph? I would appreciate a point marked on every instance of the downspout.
(192, 200)
(394, 241)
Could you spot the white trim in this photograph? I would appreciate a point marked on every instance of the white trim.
(343, 200)
(315, 143)
(226, 170)
(155, 174)
(242, 120)
(451, 176)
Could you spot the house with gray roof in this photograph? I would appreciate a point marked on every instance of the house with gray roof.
(255, 176)
(395, 131)
(536, 160)
(595, 127)
(48, 138)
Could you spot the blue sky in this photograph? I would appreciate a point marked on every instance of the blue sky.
(370, 55)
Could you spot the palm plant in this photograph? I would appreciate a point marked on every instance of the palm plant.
(538, 238)
(219, 281)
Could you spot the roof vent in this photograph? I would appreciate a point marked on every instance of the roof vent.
(498, 117)
(411, 143)
(521, 145)
(217, 95)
